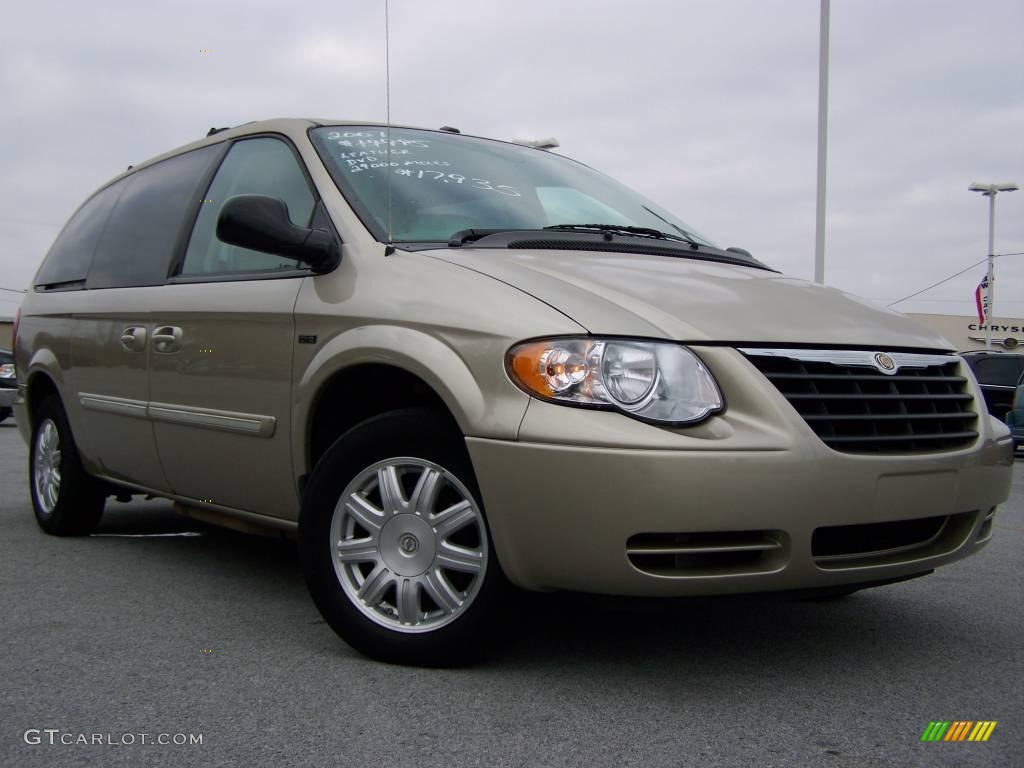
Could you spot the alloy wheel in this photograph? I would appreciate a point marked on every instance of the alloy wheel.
(46, 467)
(409, 544)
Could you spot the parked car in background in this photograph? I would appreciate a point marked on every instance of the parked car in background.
(444, 362)
(998, 373)
(8, 383)
(1015, 416)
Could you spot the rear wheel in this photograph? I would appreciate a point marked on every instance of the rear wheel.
(6, 413)
(66, 500)
(395, 545)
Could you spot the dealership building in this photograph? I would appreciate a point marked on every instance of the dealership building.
(966, 333)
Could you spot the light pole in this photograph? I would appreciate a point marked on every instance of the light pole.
(819, 217)
(990, 191)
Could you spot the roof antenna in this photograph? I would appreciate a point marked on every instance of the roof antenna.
(389, 248)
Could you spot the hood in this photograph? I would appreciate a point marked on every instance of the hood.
(693, 301)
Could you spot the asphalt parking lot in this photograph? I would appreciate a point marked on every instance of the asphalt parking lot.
(135, 631)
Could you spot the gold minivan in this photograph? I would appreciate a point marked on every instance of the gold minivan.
(448, 364)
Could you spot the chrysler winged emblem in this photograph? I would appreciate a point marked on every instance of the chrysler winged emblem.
(884, 363)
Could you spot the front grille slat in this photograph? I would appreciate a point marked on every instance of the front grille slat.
(892, 438)
(890, 416)
(856, 408)
(891, 396)
(851, 377)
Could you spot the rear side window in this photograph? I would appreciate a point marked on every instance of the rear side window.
(71, 253)
(261, 166)
(143, 231)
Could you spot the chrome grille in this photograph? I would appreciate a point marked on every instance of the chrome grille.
(855, 406)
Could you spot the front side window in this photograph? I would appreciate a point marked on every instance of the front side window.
(426, 185)
(260, 166)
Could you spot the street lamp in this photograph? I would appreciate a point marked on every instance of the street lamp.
(990, 191)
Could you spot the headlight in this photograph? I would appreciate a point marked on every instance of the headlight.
(658, 382)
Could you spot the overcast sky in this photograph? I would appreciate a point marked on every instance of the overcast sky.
(709, 107)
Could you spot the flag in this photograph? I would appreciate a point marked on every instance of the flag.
(981, 299)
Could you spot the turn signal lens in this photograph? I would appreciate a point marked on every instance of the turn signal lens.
(528, 369)
(658, 382)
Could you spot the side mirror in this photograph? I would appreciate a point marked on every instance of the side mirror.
(261, 223)
(741, 252)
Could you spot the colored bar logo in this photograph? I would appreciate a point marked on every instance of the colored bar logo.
(958, 730)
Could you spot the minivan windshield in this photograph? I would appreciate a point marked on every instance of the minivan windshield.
(442, 183)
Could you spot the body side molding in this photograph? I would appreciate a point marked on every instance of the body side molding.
(252, 424)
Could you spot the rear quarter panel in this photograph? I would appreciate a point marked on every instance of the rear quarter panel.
(43, 348)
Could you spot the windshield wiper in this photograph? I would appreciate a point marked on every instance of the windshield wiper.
(686, 235)
(518, 237)
(463, 236)
(623, 229)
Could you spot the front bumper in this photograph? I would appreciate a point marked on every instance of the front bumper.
(573, 502)
(7, 396)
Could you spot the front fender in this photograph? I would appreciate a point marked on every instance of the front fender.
(425, 356)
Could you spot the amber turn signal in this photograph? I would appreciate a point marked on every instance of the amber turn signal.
(526, 363)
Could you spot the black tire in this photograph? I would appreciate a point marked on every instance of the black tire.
(79, 497)
(6, 413)
(412, 433)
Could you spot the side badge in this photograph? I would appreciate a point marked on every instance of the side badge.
(307, 339)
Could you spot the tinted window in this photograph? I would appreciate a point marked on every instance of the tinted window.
(142, 233)
(71, 253)
(262, 166)
(1003, 371)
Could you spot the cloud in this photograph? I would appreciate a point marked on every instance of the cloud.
(707, 107)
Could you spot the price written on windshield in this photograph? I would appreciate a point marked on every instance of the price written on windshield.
(457, 178)
(373, 139)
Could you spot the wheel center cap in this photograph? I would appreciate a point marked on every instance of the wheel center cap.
(407, 545)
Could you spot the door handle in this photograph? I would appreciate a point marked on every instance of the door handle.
(167, 339)
(133, 338)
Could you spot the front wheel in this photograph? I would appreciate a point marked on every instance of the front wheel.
(394, 542)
